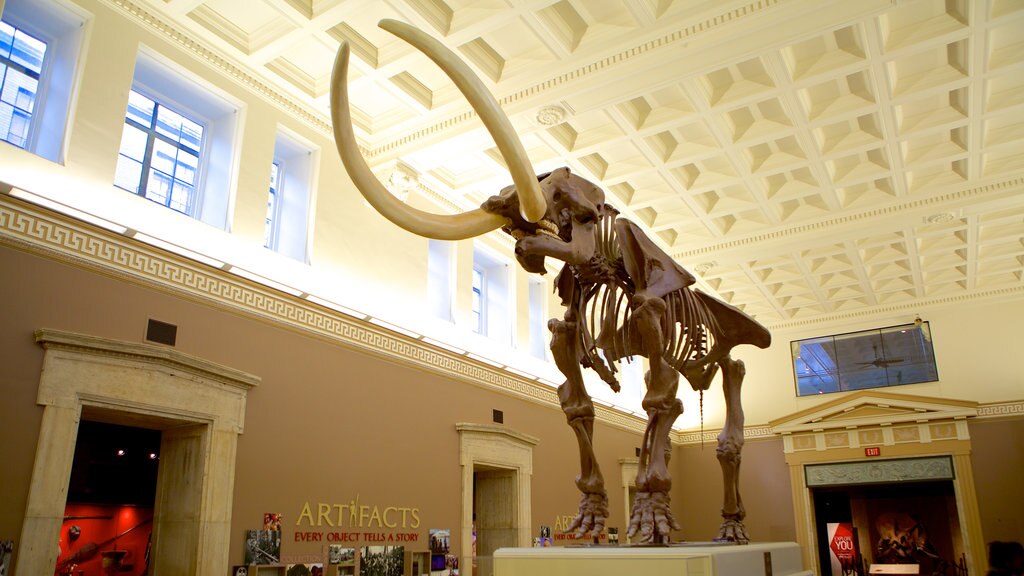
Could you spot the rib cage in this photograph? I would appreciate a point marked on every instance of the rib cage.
(604, 312)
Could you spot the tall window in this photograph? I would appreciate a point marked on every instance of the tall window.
(537, 318)
(479, 302)
(290, 197)
(40, 41)
(160, 151)
(439, 278)
(492, 297)
(269, 236)
(179, 141)
(21, 64)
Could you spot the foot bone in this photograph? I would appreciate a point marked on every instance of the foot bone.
(591, 517)
(652, 518)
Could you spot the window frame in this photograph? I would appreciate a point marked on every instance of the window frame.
(298, 160)
(158, 77)
(152, 135)
(837, 366)
(37, 98)
(478, 304)
(64, 28)
(272, 231)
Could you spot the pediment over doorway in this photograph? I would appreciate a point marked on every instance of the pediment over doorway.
(874, 408)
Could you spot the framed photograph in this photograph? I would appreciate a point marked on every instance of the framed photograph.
(262, 547)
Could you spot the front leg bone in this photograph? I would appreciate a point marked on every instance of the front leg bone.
(579, 411)
(652, 514)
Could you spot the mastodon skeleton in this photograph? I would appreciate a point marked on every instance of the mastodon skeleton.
(623, 297)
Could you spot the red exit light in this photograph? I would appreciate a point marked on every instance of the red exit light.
(875, 451)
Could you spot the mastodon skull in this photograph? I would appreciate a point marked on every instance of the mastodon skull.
(567, 230)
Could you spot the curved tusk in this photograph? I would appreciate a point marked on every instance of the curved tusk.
(437, 226)
(531, 201)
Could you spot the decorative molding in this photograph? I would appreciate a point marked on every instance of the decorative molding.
(710, 436)
(622, 57)
(550, 115)
(183, 40)
(320, 122)
(497, 431)
(145, 353)
(880, 471)
(890, 310)
(1001, 409)
(54, 236)
(962, 195)
(60, 238)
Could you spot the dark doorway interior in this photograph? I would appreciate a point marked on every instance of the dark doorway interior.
(892, 523)
(111, 493)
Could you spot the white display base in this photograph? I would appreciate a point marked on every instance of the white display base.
(689, 559)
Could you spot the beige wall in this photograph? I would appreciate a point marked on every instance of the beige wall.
(327, 424)
(971, 341)
(764, 487)
(997, 454)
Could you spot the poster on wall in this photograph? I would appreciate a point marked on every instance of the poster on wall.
(262, 546)
(382, 561)
(304, 570)
(342, 557)
(6, 551)
(842, 549)
(272, 521)
(440, 540)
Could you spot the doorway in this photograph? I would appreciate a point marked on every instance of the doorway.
(495, 508)
(196, 406)
(910, 523)
(497, 472)
(108, 519)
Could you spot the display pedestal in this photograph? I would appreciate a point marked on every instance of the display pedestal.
(687, 559)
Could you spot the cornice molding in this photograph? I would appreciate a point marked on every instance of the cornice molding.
(229, 69)
(1001, 409)
(963, 196)
(890, 310)
(321, 123)
(623, 57)
(51, 339)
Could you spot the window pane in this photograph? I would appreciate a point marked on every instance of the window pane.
(133, 142)
(128, 175)
(180, 197)
(186, 168)
(17, 133)
(6, 115)
(19, 90)
(6, 39)
(168, 123)
(140, 108)
(814, 363)
(165, 142)
(191, 134)
(158, 188)
(164, 157)
(28, 51)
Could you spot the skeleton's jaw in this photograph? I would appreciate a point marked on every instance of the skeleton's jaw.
(531, 249)
(544, 226)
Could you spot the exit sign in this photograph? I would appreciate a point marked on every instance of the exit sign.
(875, 451)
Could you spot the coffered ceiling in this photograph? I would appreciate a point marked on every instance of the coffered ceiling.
(808, 160)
